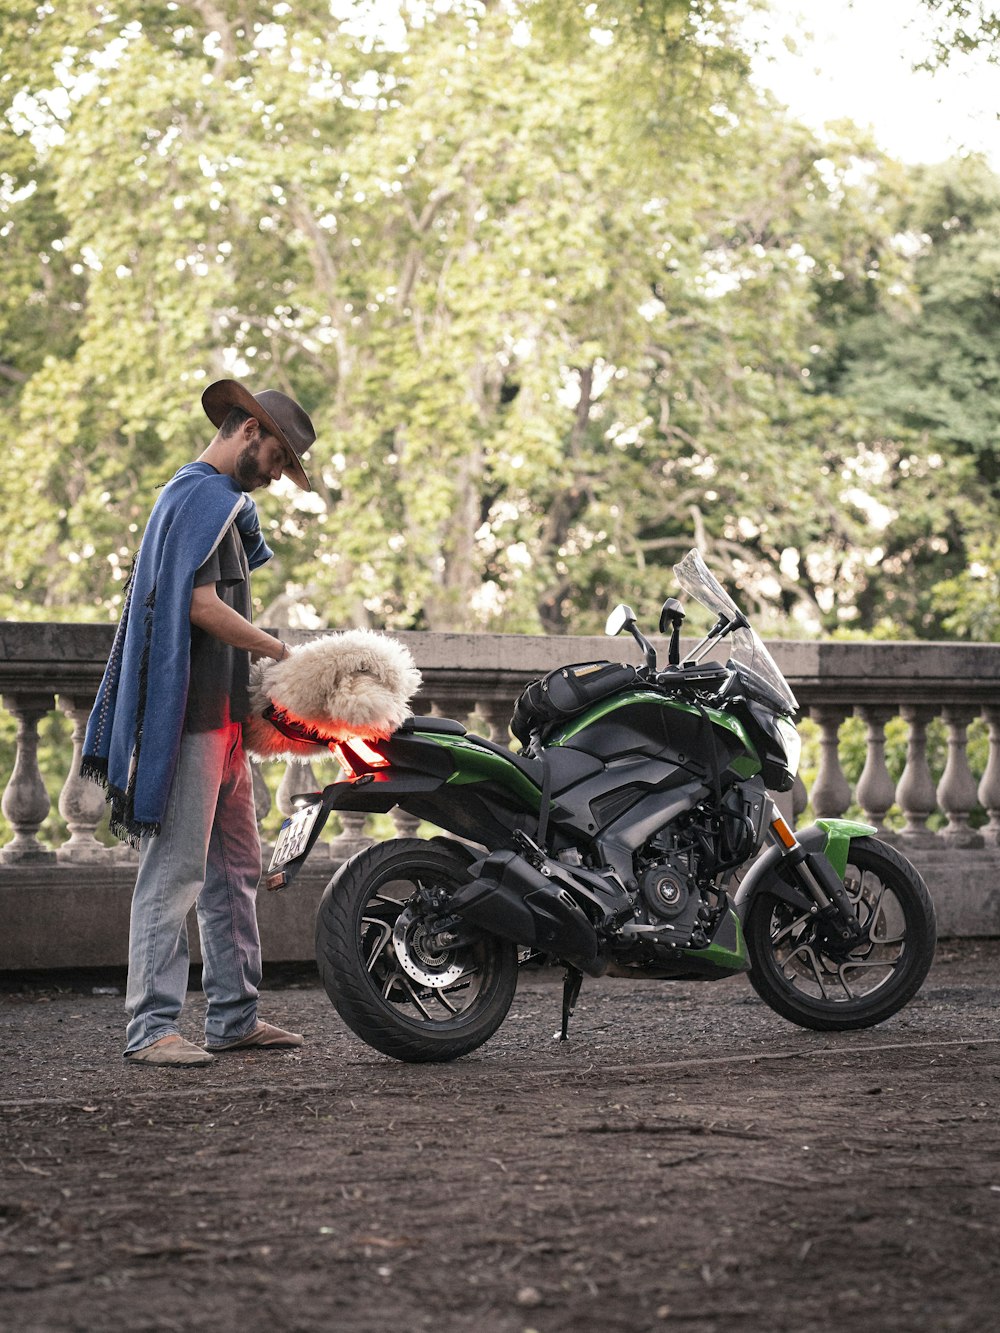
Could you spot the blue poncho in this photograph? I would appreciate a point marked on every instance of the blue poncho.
(135, 728)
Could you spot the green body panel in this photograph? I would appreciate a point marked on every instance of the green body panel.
(839, 833)
(745, 765)
(730, 960)
(473, 764)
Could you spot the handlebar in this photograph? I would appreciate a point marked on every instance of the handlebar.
(705, 677)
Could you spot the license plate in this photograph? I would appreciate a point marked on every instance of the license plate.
(294, 834)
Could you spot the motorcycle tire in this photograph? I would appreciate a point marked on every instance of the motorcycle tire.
(408, 1000)
(798, 975)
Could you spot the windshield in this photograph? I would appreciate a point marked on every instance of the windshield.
(746, 650)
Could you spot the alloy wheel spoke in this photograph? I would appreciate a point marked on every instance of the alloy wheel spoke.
(385, 935)
(885, 939)
(843, 981)
(858, 963)
(464, 976)
(807, 958)
(411, 990)
(873, 908)
(380, 896)
(393, 981)
(778, 937)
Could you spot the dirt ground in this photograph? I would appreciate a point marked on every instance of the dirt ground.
(688, 1160)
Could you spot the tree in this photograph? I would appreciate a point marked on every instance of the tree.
(563, 293)
(962, 28)
(923, 366)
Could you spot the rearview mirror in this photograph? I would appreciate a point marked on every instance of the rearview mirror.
(672, 615)
(672, 618)
(620, 618)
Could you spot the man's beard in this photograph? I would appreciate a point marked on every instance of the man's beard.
(247, 473)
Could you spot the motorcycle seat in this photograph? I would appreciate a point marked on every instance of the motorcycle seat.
(443, 726)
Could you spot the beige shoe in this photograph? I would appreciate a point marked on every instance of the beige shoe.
(172, 1050)
(263, 1037)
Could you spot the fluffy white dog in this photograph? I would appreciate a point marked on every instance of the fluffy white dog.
(357, 683)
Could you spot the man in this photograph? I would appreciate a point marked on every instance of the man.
(165, 733)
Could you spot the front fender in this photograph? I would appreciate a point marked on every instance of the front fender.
(839, 833)
(830, 837)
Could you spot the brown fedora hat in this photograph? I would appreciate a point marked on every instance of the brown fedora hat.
(278, 414)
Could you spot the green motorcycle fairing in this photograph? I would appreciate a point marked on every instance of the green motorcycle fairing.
(436, 771)
(744, 762)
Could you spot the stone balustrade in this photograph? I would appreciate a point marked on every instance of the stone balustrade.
(51, 892)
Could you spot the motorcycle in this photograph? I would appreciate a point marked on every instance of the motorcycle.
(635, 834)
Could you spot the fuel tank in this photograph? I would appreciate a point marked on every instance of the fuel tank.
(650, 758)
(646, 723)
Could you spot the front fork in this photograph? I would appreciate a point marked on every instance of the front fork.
(817, 876)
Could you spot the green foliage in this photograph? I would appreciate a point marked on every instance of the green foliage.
(564, 294)
(963, 28)
(970, 602)
(922, 365)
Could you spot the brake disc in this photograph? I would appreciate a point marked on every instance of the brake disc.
(431, 967)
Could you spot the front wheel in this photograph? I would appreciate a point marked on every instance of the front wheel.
(400, 992)
(797, 972)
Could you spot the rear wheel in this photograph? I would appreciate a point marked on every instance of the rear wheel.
(400, 991)
(802, 977)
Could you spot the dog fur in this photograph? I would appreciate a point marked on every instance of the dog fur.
(356, 683)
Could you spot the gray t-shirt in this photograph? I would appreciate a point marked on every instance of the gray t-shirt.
(220, 674)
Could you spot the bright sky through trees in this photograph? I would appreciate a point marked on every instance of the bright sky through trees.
(856, 58)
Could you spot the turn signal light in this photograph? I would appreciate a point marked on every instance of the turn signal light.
(784, 833)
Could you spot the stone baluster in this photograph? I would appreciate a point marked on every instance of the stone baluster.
(989, 786)
(297, 777)
(831, 792)
(915, 792)
(352, 838)
(262, 803)
(956, 793)
(406, 825)
(497, 714)
(261, 793)
(876, 791)
(422, 705)
(800, 799)
(81, 802)
(25, 801)
(464, 711)
(126, 853)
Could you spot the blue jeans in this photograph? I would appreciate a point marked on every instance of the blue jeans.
(207, 853)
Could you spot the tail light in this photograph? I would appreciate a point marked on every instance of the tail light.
(356, 757)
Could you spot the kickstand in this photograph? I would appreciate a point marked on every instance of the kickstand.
(571, 993)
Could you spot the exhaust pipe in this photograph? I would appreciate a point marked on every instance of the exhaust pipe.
(510, 898)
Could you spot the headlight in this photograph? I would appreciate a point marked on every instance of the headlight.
(792, 742)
